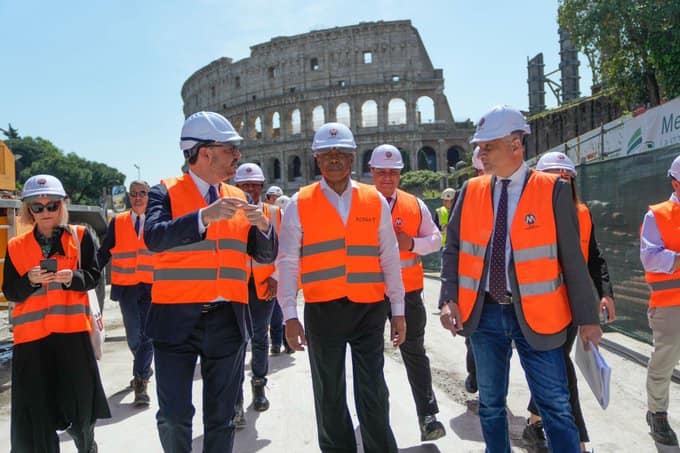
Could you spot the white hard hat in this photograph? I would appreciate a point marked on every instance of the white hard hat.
(448, 194)
(333, 135)
(205, 127)
(556, 160)
(274, 190)
(501, 121)
(674, 171)
(282, 202)
(249, 173)
(386, 156)
(476, 161)
(42, 186)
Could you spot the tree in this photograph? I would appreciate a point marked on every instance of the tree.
(83, 179)
(419, 181)
(10, 132)
(632, 46)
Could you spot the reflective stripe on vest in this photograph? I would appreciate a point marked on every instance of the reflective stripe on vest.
(131, 262)
(585, 227)
(407, 217)
(50, 308)
(338, 260)
(208, 270)
(262, 272)
(533, 238)
(665, 288)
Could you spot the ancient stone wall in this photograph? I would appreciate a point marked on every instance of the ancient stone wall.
(376, 78)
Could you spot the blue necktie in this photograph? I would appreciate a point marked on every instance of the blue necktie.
(497, 280)
(212, 195)
(137, 225)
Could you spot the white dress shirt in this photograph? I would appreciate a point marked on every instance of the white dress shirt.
(288, 259)
(429, 239)
(514, 192)
(654, 255)
(203, 188)
(142, 217)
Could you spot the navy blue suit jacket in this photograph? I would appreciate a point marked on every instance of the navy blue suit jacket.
(173, 323)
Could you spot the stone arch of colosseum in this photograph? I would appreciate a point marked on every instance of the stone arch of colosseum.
(375, 77)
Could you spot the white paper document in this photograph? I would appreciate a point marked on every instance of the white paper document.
(595, 370)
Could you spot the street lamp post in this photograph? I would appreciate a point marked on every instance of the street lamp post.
(139, 173)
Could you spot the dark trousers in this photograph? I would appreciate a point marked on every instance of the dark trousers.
(217, 340)
(260, 316)
(470, 359)
(545, 372)
(573, 387)
(415, 359)
(135, 302)
(331, 326)
(276, 325)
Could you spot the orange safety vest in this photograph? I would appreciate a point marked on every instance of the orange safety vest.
(406, 216)
(131, 262)
(585, 227)
(533, 238)
(261, 272)
(338, 260)
(207, 270)
(50, 309)
(665, 288)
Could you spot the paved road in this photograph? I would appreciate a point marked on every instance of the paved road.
(289, 426)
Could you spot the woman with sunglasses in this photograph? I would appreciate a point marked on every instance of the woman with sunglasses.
(48, 271)
(559, 163)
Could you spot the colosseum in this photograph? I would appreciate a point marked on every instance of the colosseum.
(375, 77)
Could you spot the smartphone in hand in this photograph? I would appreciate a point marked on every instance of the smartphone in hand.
(49, 265)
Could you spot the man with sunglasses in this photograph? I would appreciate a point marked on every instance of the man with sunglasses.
(417, 235)
(203, 231)
(131, 279)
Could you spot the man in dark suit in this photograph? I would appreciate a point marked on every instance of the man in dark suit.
(200, 294)
(513, 272)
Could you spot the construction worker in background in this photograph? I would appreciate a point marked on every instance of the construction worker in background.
(346, 264)
(417, 235)
(282, 202)
(131, 279)
(273, 192)
(275, 196)
(202, 231)
(513, 272)
(442, 213)
(261, 295)
(660, 256)
(559, 163)
(477, 162)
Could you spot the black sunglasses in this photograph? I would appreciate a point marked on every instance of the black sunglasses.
(140, 193)
(37, 208)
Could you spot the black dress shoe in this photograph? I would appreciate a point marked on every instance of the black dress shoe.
(260, 401)
(471, 384)
(430, 428)
(534, 435)
(661, 431)
(275, 349)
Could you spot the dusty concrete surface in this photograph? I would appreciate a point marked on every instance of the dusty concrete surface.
(289, 426)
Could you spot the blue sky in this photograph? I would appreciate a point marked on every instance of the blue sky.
(103, 78)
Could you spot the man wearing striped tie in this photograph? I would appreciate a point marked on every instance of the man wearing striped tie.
(417, 235)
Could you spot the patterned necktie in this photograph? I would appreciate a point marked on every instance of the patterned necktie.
(137, 225)
(497, 279)
(212, 194)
